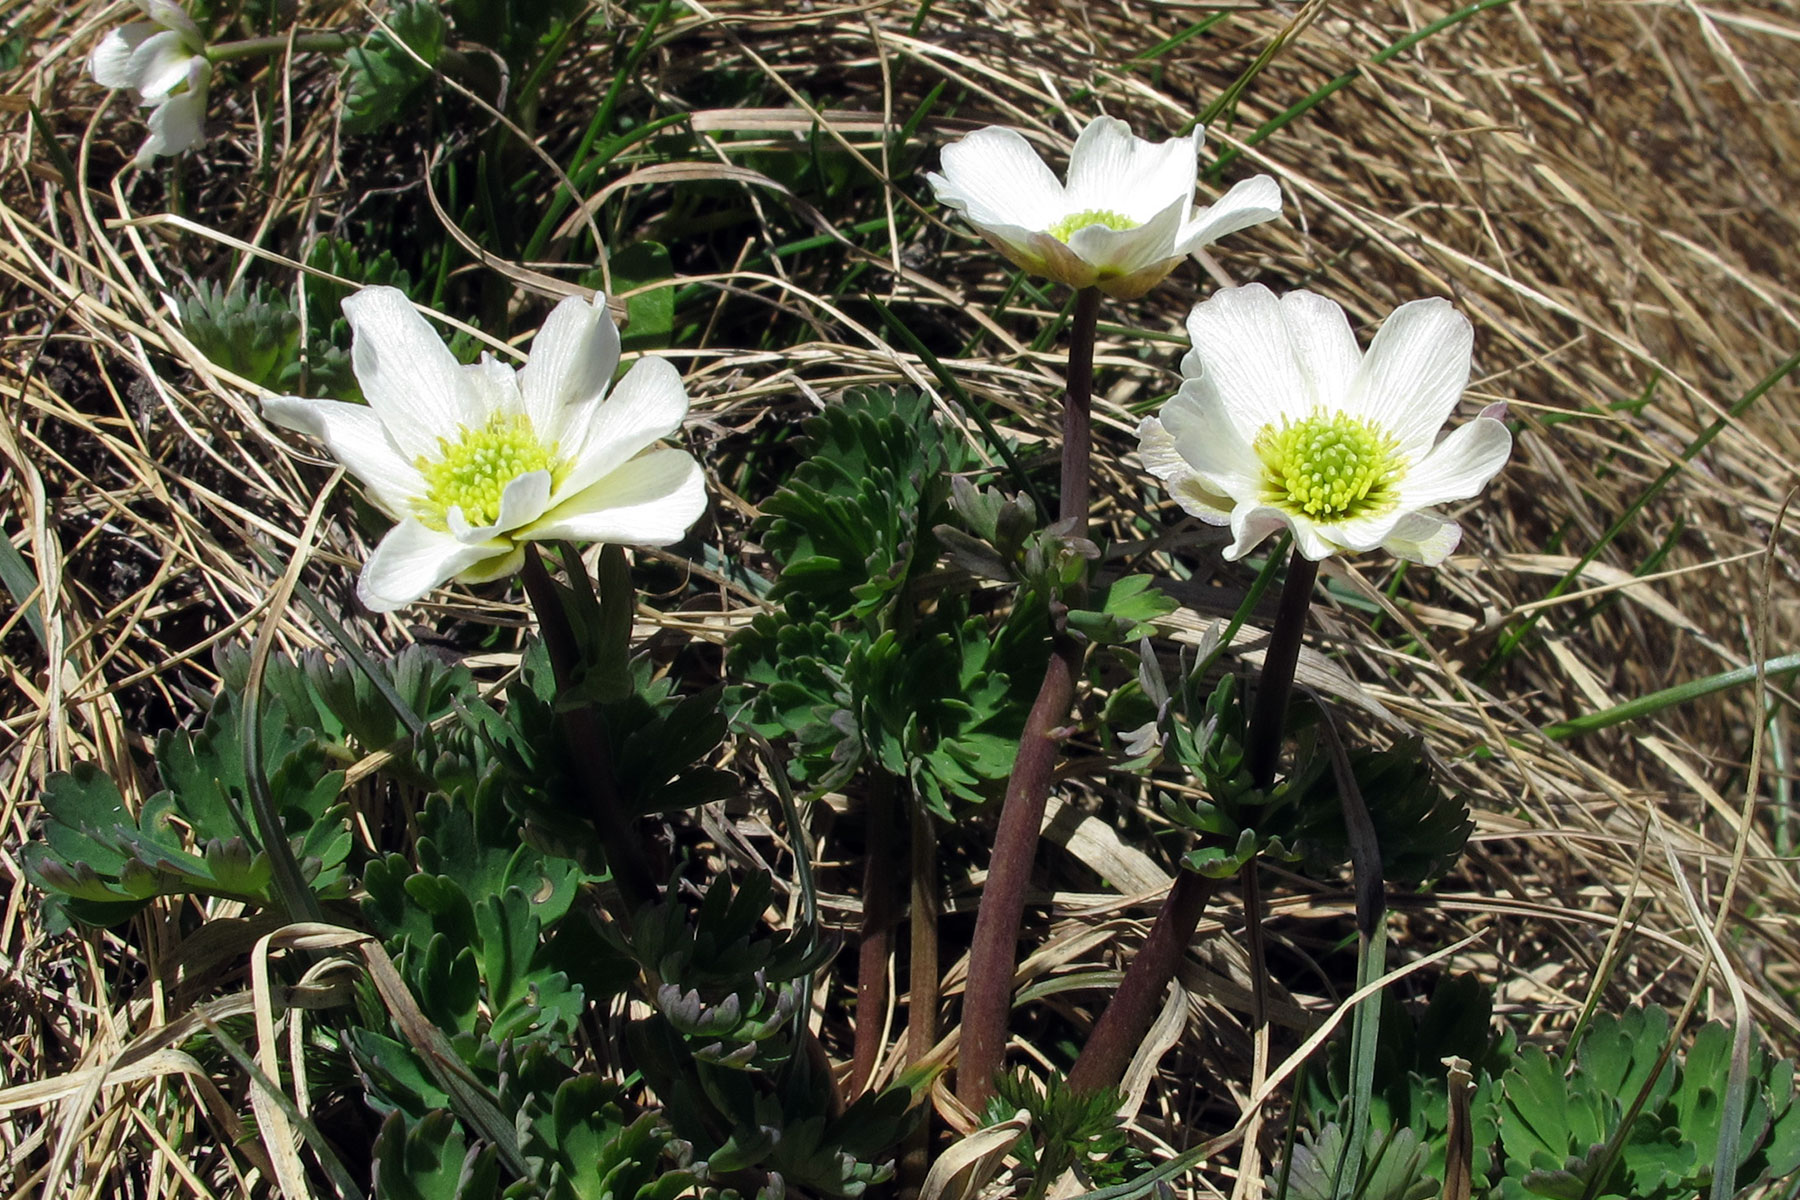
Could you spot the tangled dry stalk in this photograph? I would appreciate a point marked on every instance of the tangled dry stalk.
(1607, 189)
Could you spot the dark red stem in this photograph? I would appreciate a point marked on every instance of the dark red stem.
(1077, 447)
(994, 951)
(1134, 1006)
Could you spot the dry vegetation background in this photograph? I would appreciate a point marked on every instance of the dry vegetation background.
(1609, 190)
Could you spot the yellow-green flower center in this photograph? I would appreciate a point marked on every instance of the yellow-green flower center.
(1066, 228)
(1329, 467)
(472, 472)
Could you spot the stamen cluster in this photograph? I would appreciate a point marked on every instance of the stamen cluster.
(1329, 466)
(473, 471)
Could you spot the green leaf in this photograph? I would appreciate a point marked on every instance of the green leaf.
(649, 315)
(383, 78)
(430, 1160)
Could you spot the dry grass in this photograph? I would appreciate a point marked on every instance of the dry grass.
(1607, 189)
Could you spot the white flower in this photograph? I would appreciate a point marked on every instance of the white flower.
(1125, 220)
(162, 60)
(474, 461)
(1282, 421)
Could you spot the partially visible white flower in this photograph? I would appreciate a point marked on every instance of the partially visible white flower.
(163, 62)
(1283, 422)
(475, 461)
(1125, 219)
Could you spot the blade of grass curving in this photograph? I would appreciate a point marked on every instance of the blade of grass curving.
(1654, 702)
(950, 384)
(1192, 31)
(1391, 51)
(1701, 440)
(297, 899)
(602, 119)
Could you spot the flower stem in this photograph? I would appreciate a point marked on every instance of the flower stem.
(1269, 718)
(876, 936)
(1134, 1006)
(588, 745)
(994, 951)
(257, 47)
(1077, 447)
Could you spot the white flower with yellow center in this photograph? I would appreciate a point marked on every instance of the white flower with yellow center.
(1125, 219)
(163, 61)
(1282, 422)
(475, 461)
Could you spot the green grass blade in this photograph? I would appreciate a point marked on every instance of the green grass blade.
(1655, 702)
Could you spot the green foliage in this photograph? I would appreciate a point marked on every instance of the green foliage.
(1235, 819)
(1068, 1129)
(657, 743)
(1543, 1129)
(104, 865)
(430, 1161)
(1409, 1109)
(1128, 611)
(1566, 1134)
(1420, 826)
(649, 315)
(514, 28)
(382, 78)
(866, 662)
(852, 525)
(723, 1046)
(249, 331)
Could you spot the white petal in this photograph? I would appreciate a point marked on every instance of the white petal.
(1123, 251)
(159, 65)
(411, 560)
(524, 499)
(408, 375)
(1459, 466)
(1212, 444)
(1414, 372)
(494, 388)
(598, 437)
(1361, 533)
(1324, 347)
(1113, 170)
(1250, 525)
(994, 177)
(178, 123)
(573, 358)
(172, 16)
(1249, 202)
(110, 63)
(1157, 449)
(354, 435)
(1310, 541)
(1242, 353)
(1423, 537)
(649, 501)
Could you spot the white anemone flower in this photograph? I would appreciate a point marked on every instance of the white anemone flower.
(475, 461)
(163, 61)
(1283, 422)
(1125, 219)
